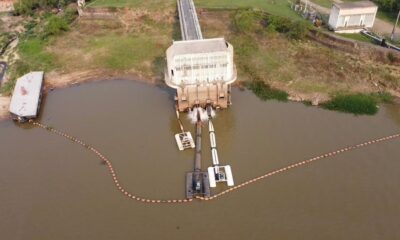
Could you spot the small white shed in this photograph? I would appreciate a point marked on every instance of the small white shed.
(351, 17)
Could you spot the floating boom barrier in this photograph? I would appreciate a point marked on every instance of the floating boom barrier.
(217, 173)
(247, 183)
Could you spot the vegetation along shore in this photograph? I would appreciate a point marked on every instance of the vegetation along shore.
(279, 55)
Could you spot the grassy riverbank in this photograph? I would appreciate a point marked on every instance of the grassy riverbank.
(272, 49)
(358, 103)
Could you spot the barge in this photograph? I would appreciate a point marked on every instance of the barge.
(27, 96)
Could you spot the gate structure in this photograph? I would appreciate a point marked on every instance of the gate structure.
(201, 70)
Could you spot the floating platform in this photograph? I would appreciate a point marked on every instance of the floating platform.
(184, 140)
(26, 98)
(220, 174)
(197, 184)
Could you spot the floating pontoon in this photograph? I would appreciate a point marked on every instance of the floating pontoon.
(217, 173)
(26, 98)
(184, 140)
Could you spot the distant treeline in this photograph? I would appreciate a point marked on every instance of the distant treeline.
(392, 6)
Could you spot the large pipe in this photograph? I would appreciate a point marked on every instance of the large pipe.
(197, 160)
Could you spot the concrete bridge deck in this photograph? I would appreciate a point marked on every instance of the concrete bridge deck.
(190, 26)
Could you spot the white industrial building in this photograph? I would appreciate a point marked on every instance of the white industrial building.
(201, 71)
(351, 17)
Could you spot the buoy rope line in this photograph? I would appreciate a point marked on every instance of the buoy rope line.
(235, 188)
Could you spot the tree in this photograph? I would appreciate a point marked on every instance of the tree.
(55, 25)
(389, 5)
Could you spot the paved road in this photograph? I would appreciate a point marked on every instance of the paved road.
(191, 27)
(3, 68)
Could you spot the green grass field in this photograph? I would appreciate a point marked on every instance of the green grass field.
(276, 7)
(152, 4)
(323, 3)
(356, 36)
(130, 51)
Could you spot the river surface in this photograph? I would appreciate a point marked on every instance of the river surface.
(51, 188)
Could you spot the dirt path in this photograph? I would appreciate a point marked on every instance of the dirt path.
(4, 103)
(385, 28)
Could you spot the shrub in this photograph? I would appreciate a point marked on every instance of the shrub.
(353, 103)
(391, 57)
(8, 87)
(292, 29)
(383, 97)
(55, 25)
(247, 21)
(27, 7)
(24, 7)
(279, 24)
(70, 15)
(298, 30)
(266, 92)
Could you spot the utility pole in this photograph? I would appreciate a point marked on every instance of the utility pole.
(305, 7)
(394, 27)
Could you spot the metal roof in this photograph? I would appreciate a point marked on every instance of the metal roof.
(25, 98)
(199, 46)
(351, 5)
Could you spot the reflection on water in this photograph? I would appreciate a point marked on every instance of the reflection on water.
(53, 189)
(393, 112)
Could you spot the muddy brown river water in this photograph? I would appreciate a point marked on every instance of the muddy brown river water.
(51, 188)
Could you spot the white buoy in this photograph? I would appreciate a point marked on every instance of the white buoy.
(211, 177)
(217, 173)
(229, 176)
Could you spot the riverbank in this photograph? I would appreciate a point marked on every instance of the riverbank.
(54, 80)
(4, 105)
(310, 67)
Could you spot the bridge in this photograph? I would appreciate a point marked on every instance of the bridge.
(190, 26)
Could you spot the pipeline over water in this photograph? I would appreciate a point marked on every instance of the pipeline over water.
(230, 190)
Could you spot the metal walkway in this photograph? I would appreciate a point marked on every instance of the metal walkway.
(190, 26)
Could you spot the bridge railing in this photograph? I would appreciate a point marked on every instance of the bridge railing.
(182, 21)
